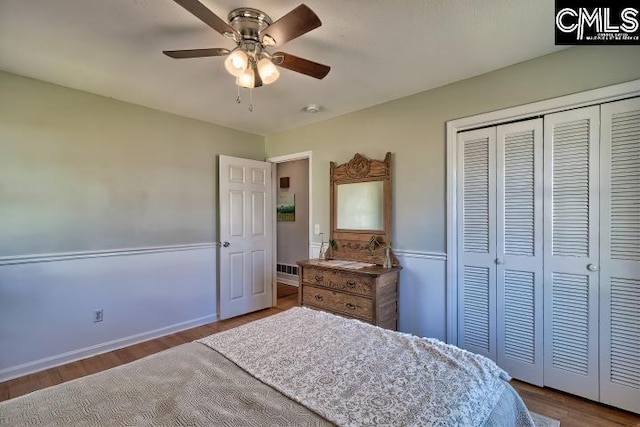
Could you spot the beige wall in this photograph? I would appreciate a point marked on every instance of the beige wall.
(413, 129)
(84, 172)
(293, 236)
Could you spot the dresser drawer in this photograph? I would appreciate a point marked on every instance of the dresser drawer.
(360, 284)
(337, 302)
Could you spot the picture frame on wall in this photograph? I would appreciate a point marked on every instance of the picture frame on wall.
(286, 207)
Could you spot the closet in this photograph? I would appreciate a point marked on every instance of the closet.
(548, 258)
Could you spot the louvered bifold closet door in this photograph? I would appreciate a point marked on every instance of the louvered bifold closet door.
(620, 255)
(519, 249)
(477, 242)
(571, 141)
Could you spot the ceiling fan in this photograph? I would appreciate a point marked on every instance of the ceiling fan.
(254, 32)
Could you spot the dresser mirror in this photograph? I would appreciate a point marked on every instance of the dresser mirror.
(360, 206)
(361, 232)
(361, 209)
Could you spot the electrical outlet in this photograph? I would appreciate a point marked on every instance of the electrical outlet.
(316, 229)
(98, 315)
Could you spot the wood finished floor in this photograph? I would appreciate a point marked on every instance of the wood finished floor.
(570, 410)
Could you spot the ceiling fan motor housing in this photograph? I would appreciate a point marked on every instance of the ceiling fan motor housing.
(249, 22)
(254, 31)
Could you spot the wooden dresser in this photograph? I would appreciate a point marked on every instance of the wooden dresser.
(369, 294)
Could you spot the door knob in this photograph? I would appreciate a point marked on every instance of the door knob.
(592, 267)
(499, 261)
(225, 244)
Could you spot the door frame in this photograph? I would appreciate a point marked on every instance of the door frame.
(595, 96)
(282, 159)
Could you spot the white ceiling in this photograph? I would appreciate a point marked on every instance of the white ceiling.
(378, 50)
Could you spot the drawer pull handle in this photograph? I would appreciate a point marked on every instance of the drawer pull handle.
(319, 278)
(351, 283)
(351, 306)
(319, 297)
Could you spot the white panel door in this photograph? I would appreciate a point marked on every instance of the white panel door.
(571, 248)
(246, 252)
(519, 250)
(620, 255)
(477, 244)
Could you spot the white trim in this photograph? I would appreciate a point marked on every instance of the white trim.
(567, 102)
(407, 253)
(437, 256)
(421, 293)
(287, 278)
(314, 250)
(83, 353)
(281, 159)
(290, 280)
(562, 103)
(290, 157)
(63, 256)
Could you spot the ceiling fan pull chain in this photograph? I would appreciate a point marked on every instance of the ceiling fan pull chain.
(251, 99)
(238, 100)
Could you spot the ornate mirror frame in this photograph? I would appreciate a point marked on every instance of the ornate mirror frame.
(354, 244)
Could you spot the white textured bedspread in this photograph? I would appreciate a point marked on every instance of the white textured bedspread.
(352, 373)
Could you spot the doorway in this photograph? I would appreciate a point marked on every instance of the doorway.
(292, 222)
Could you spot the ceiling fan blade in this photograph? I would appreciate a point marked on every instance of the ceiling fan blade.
(196, 53)
(211, 19)
(294, 24)
(300, 65)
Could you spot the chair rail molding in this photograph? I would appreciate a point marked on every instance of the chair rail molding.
(49, 300)
(60, 256)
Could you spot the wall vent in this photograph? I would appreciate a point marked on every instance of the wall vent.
(287, 269)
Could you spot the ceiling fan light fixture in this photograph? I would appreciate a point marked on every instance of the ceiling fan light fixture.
(253, 32)
(236, 63)
(247, 79)
(268, 72)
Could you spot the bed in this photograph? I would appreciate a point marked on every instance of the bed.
(299, 367)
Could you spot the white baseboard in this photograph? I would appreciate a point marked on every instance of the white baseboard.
(83, 353)
(47, 304)
(288, 280)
